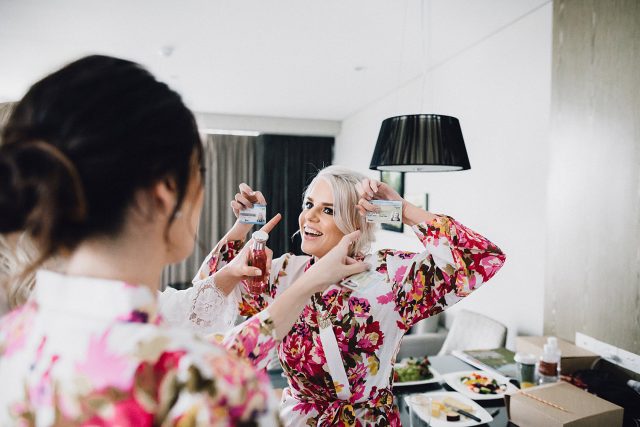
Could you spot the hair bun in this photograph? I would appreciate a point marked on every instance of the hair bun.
(12, 209)
(40, 191)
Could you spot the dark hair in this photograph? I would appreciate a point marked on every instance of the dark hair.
(80, 144)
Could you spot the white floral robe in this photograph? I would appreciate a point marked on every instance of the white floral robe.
(369, 323)
(87, 351)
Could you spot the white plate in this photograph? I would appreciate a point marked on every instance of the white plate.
(453, 379)
(478, 411)
(436, 378)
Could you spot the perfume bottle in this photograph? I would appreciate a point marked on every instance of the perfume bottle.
(258, 258)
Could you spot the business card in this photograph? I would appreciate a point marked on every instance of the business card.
(255, 215)
(362, 281)
(390, 212)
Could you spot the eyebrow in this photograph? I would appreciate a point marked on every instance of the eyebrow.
(323, 204)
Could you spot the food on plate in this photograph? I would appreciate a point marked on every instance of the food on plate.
(435, 411)
(450, 401)
(444, 406)
(453, 416)
(482, 385)
(412, 370)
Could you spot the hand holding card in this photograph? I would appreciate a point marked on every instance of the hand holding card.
(389, 211)
(379, 202)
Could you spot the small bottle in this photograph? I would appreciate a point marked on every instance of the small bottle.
(526, 367)
(258, 258)
(549, 365)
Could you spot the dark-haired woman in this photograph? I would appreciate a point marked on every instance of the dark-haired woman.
(102, 162)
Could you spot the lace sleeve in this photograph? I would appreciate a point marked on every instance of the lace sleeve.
(202, 308)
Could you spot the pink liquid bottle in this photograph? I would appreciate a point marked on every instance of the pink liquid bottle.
(258, 258)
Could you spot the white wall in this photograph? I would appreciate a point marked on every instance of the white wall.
(499, 87)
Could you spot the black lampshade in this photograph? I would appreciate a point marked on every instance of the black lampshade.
(420, 143)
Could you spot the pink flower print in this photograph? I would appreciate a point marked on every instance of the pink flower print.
(103, 367)
(135, 316)
(212, 264)
(41, 394)
(386, 298)
(370, 337)
(40, 349)
(130, 412)
(489, 265)
(16, 325)
(359, 307)
(400, 274)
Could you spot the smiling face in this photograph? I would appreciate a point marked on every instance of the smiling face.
(317, 226)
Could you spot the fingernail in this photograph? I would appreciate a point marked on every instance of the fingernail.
(257, 272)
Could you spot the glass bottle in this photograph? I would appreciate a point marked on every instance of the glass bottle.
(549, 365)
(258, 258)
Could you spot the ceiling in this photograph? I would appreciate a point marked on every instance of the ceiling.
(274, 58)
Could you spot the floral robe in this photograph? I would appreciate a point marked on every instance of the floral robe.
(87, 351)
(369, 323)
(203, 307)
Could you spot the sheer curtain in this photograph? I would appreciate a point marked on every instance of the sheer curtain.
(230, 160)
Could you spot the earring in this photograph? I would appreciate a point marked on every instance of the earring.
(178, 214)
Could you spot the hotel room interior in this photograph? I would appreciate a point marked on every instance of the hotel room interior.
(547, 94)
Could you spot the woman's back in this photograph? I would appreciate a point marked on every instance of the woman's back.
(94, 351)
(103, 164)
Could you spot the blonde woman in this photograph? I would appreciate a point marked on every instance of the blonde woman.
(339, 355)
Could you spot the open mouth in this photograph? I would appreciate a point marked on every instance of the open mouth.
(311, 233)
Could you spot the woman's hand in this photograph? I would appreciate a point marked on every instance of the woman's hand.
(370, 189)
(329, 269)
(238, 268)
(244, 199)
(334, 266)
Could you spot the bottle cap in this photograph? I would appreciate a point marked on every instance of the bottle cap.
(260, 236)
(525, 358)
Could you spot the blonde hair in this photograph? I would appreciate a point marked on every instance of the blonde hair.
(16, 278)
(345, 198)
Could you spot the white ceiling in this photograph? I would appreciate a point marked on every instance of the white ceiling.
(277, 58)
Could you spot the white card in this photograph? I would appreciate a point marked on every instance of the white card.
(390, 212)
(255, 215)
(362, 281)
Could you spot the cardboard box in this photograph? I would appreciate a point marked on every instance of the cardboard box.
(581, 409)
(573, 358)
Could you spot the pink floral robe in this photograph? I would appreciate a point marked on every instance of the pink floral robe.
(93, 352)
(369, 323)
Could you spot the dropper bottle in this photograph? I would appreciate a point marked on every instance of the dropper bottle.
(549, 365)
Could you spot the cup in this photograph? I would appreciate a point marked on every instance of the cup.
(526, 368)
(419, 403)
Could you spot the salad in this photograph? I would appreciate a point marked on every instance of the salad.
(482, 385)
(412, 370)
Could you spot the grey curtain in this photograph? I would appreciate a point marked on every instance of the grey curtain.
(229, 160)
